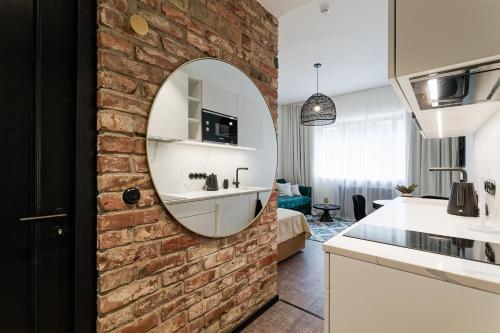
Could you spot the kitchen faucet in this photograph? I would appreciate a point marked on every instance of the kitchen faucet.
(237, 183)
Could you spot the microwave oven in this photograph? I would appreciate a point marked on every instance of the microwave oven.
(219, 128)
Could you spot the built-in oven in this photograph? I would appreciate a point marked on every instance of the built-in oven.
(219, 128)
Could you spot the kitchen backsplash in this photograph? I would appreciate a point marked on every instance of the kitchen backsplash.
(486, 157)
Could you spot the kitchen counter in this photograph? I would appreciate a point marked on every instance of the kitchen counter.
(189, 196)
(429, 216)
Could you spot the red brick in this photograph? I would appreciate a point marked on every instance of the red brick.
(268, 259)
(115, 319)
(121, 144)
(219, 285)
(245, 272)
(150, 3)
(219, 41)
(130, 67)
(156, 230)
(114, 81)
(180, 304)
(232, 315)
(123, 296)
(124, 255)
(109, 99)
(113, 239)
(179, 242)
(160, 22)
(111, 18)
(182, 18)
(202, 45)
(173, 324)
(115, 122)
(196, 325)
(219, 257)
(162, 263)
(203, 306)
(111, 202)
(153, 301)
(232, 265)
(148, 199)
(179, 274)
(125, 219)
(113, 163)
(141, 164)
(199, 280)
(149, 90)
(142, 324)
(198, 251)
(119, 5)
(199, 11)
(215, 314)
(246, 247)
(154, 57)
(114, 279)
(113, 42)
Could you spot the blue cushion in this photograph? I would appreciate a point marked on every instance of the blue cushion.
(292, 202)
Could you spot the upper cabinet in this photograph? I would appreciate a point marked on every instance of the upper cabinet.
(249, 122)
(219, 100)
(172, 125)
(444, 60)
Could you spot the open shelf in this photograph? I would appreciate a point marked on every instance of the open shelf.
(194, 109)
(199, 144)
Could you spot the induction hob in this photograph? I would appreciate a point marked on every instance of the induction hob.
(463, 248)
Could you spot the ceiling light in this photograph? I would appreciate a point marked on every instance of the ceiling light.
(433, 92)
(319, 109)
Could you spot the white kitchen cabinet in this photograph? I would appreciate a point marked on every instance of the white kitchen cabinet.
(171, 110)
(233, 214)
(186, 209)
(204, 224)
(217, 99)
(366, 297)
(434, 34)
(249, 122)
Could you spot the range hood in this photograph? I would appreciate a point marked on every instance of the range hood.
(464, 86)
(444, 64)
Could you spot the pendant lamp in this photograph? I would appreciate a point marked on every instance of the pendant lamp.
(319, 109)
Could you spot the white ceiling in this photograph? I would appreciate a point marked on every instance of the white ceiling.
(281, 7)
(350, 41)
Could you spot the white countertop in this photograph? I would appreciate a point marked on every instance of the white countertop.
(189, 196)
(424, 215)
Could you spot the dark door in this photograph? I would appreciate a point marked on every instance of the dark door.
(38, 102)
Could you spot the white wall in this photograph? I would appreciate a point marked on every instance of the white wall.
(486, 157)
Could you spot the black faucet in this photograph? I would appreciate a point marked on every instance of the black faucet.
(237, 183)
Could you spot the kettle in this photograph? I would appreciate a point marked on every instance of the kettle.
(463, 200)
(211, 183)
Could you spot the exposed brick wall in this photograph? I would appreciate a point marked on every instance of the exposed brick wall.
(155, 275)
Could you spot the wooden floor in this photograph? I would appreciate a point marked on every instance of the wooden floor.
(300, 282)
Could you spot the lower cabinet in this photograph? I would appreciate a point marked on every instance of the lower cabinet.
(234, 214)
(204, 224)
(216, 217)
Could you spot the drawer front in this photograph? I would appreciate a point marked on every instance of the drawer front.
(192, 208)
(204, 224)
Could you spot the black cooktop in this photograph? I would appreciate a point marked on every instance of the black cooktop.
(463, 248)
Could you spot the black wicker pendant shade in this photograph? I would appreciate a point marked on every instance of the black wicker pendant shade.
(319, 109)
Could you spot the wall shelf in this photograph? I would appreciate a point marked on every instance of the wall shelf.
(199, 144)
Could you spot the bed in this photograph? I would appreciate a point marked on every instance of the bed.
(293, 231)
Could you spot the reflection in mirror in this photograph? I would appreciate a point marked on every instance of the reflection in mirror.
(211, 146)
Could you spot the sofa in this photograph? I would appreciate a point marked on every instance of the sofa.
(299, 203)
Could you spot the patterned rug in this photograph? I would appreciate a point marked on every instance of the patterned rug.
(323, 231)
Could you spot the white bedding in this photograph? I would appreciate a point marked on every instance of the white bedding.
(290, 224)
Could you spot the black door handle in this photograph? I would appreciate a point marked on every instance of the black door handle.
(43, 217)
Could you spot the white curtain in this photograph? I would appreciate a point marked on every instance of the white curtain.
(295, 146)
(363, 152)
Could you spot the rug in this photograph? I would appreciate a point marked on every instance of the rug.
(323, 231)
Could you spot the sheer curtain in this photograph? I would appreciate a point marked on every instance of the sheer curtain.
(364, 152)
(295, 146)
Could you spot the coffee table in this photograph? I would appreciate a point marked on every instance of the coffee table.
(326, 208)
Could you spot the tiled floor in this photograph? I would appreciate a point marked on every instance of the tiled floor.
(284, 318)
(300, 279)
(300, 282)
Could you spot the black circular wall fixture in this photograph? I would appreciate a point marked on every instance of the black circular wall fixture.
(131, 195)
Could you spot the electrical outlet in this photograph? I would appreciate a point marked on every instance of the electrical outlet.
(490, 186)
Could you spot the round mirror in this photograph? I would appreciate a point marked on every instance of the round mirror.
(211, 147)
